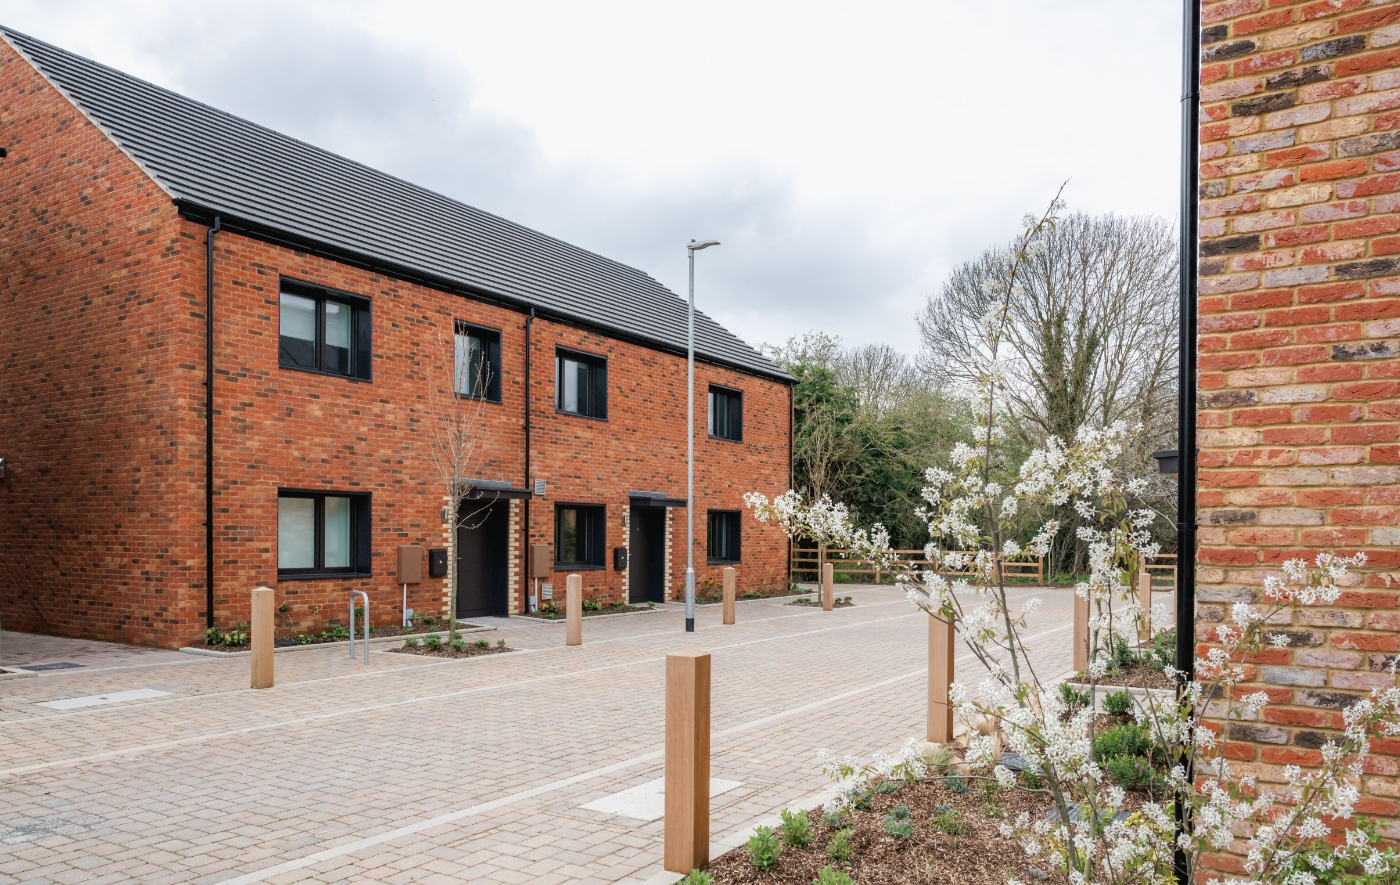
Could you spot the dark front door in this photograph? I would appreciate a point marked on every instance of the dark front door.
(481, 559)
(646, 555)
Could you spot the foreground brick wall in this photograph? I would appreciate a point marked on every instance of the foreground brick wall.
(1300, 334)
(102, 411)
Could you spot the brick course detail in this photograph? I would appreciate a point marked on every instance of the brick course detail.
(102, 315)
(1299, 358)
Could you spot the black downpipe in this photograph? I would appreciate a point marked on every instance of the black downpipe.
(209, 425)
(529, 487)
(1186, 372)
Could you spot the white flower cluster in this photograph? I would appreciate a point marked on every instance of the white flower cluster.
(822, 522)
(855, 779)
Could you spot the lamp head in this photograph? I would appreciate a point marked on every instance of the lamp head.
(696, 247)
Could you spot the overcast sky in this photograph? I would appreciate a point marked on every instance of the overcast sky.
(848, 155)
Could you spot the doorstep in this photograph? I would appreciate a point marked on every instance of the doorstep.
(373, 640)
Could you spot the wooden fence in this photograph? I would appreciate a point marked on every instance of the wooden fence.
(1163, 571)
(806, 565)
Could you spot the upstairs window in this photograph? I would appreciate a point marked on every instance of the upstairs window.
(581, 384)
(723, 536)
(726, 413)
(477, 369)
(322, 535)
(579, 536)
(322, 331)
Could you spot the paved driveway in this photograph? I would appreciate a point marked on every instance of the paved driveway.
(415, 770)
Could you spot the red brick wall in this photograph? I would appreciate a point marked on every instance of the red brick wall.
(102, 335)
(1300, 334)
(99, 533)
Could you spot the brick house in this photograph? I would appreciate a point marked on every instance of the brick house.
(340, 297)
(1299, 365)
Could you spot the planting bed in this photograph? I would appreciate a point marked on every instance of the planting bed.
(330, 636)
(839, 602)
(1137, 675)
(765, 593)
(471, 651)
(979, 855)
(559, 614)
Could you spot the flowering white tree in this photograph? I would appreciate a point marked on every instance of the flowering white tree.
(822, 522)
(970, 505)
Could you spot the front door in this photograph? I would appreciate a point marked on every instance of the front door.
(647, 555)
(481, 559)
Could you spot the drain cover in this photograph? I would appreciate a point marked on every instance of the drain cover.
(36, 668)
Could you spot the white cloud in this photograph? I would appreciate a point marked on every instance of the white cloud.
(847, 155)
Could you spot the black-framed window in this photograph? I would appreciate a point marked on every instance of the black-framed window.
(726, 413)
(476, 371)
(322, 534)
(319, 330)
(581, 384)
(723, 536)
(579, 536)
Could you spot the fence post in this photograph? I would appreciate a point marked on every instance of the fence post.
(940, 676)
(828, 586)
(687, 823)
(1145, 598)
(1081, 633)
(1040, 569)
(260, 629)
(573, 611)
(729, 594)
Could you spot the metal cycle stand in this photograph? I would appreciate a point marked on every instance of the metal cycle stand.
(353, 594)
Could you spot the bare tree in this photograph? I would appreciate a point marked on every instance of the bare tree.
(1092, 331)
(881, 376)
(456, 428)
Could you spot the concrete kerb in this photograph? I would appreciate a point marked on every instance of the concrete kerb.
(373, 640)
(15, 673)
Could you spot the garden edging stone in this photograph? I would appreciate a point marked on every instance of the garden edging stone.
(374, 640)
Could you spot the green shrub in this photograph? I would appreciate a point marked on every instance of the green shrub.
(1164, 649)
(697, 878)
(862, 800)
(834, 819)
(1123, 653)
(949, 820)
(592, 605)
(411, 642)
(829, 876)
(549, 609)
(797, 829)
(1134, 773)
(1124, 740)
(1118, 703)
(1074, 698)
(898, 824)
(957, 783)
(500, 643)
(1032, 781)
(459, 644)
(887, 787)
(432, 642)
(213, 636)
(937, 757)
(482, 644)
(839, 848)
(764, 849)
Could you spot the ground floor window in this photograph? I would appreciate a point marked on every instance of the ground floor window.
(322, 533)
(723, 536)
(579, 540)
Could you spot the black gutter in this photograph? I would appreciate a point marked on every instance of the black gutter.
(529, 483)
(203, 214)
(209, 424)
(1186, 375)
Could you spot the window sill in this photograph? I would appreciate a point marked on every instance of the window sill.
(484, 399)
(726, 438)
(559, 411)
(320, 576)
(578, 567)
(325, 373)
(723, 561)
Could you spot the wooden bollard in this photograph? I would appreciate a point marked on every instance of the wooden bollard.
(261, 627)
(573, 611)
(1081, 633)
(828, 587)
(940, 676)
(1145, 599)
(687, 822)
(729, 595)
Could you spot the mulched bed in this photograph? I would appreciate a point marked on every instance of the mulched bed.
(980, 857)
(559, 614)
(318, 639)
(1138, 676)
(840, 602)
(471, 651)
(718, 598)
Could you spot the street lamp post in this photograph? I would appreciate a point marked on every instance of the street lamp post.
(691, 248)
